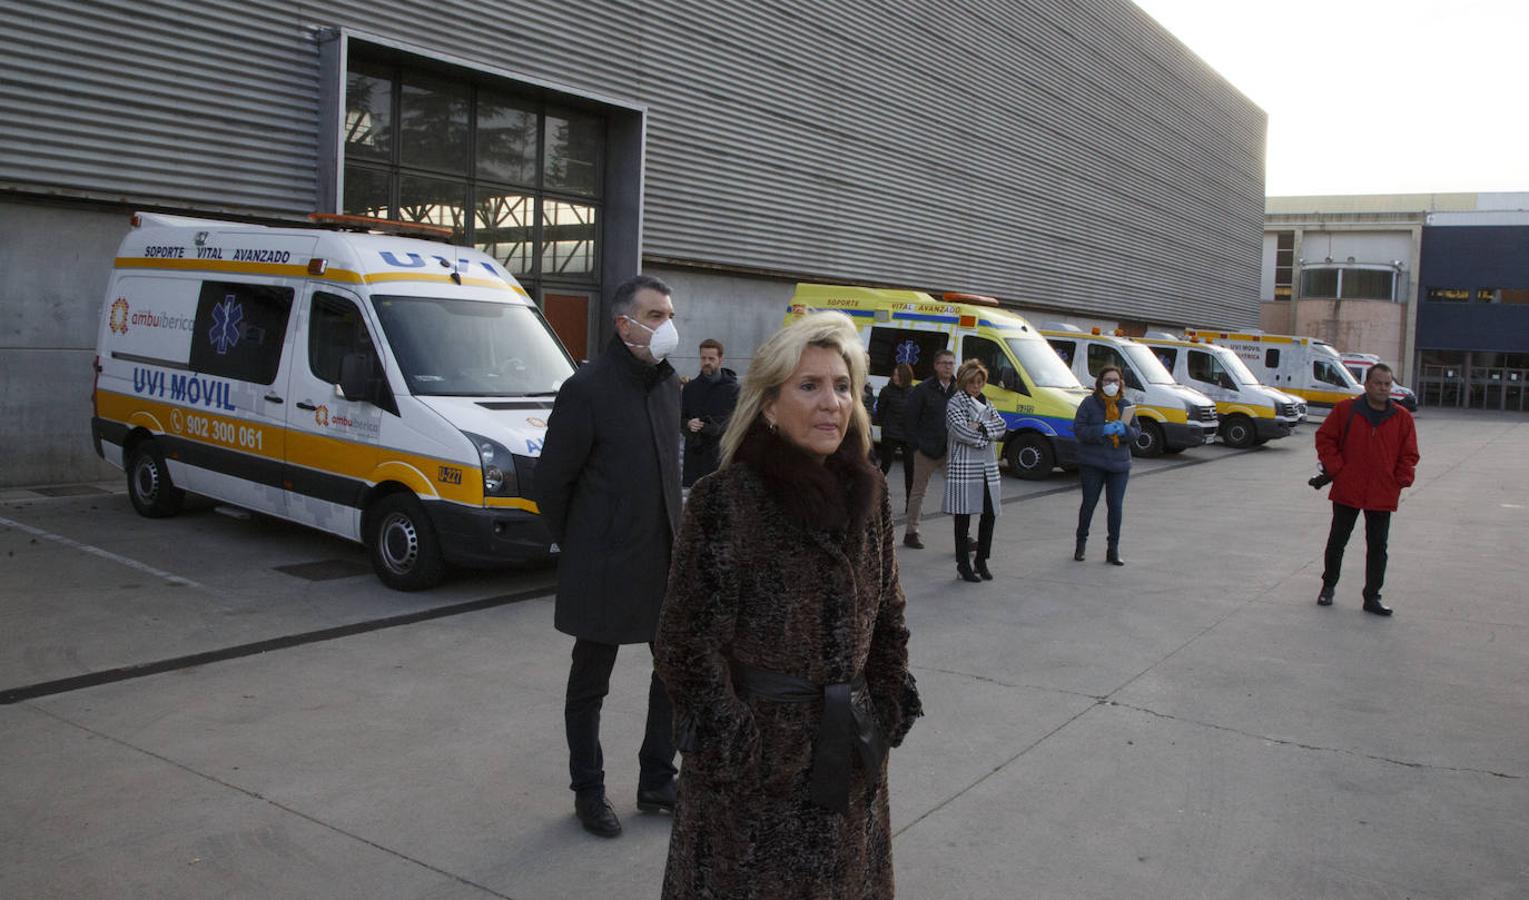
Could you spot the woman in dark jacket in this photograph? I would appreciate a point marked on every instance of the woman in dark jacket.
(891, 409)
(782, 640)
(1105, 427)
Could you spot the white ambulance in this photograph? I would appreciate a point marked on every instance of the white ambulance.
(1173, 418)
(1249, 412)
(1302, 366)
(387, 389)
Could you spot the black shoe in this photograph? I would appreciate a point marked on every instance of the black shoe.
(980, 567)
(1112, 556)
(1077, 552)
(1374, 606)
(655, 800)
(911, 540)
(964, 569)
(596, 815)
(1325, 598)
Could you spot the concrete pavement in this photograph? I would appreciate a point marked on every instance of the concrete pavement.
(1192, 725)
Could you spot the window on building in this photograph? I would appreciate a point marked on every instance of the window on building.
(1448, 295)
(515, 175)
(1367, 284)
(1514, 296)
(1284, 264)
(1321, 283)
(239, 330)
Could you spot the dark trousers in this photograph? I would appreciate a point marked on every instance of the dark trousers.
(889, 449)
(589, 680)
(1377, 530)
(963, 524)
(1113, 484)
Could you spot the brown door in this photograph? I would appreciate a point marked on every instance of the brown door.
(568, 314)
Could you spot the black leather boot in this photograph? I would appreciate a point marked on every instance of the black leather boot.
(963, 558)
(980, 567)
(1077, 552)
(1112, 555)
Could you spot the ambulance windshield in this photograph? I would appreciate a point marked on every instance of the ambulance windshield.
(1041, 363)
(471, 348)
(1240, 372)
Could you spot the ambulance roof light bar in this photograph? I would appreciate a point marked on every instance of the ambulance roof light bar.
(974, 299)
(381, 226)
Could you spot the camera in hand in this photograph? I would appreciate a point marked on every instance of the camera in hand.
(1321, 479)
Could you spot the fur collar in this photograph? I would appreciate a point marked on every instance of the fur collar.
(836, 495)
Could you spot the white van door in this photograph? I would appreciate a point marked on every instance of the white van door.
(332, 442)
(1209, 377)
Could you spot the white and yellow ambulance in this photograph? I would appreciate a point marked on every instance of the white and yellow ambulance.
(1030, 387)
(384, 388)
(1249, 412)
(1303, 366)
(1172, 417)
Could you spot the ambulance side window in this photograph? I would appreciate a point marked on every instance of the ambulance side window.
(890, 346)
(1101, 355)
(1327, 372)
(1167, 356)
(1271, 358)
(335, 328)
(1064, 349)
(1000, 372)
(239, 330)
(1204, 367)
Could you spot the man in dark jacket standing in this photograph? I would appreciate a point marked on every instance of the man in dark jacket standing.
(705, 404)
(926, 432)
(608, 484)
(1369, 446)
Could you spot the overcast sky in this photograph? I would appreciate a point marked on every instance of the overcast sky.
(1368, 97)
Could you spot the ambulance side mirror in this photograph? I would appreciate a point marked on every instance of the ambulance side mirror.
(357, 377)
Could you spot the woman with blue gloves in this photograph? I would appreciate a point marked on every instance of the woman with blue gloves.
(1105, 427)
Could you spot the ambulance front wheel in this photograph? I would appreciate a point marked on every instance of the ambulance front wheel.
(1149, 441)
(148, 483)
(1238, 432)
(406, 554)
(1030, 457)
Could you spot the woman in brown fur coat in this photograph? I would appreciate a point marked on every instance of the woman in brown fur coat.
(782, 640)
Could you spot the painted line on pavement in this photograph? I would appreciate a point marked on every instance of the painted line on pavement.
(73, 544)
(143, 670)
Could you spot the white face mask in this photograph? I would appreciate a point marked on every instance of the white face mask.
(665, 338)
(1111, 389)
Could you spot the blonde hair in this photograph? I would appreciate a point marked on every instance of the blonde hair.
(779, 356)
(969, 370)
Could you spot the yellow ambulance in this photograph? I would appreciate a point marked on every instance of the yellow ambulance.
(1030, 387)
(384, 388)
(1249, 412)
(1304, 366)
(1173, 417)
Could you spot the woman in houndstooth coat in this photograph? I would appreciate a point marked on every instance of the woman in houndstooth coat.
(971, 468)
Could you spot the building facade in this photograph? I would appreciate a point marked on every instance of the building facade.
(1071, 159)
(1435, 284)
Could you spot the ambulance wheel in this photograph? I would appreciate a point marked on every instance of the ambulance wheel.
(1238, 432)
(406, 555)
(148, 483)
(1030, 457)
(1149, 441)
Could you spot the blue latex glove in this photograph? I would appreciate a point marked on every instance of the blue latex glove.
(1114, 428)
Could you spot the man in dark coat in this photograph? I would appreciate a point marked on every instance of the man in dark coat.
(608, 484)
(705, 404)
(1369, 446)
(925, 429)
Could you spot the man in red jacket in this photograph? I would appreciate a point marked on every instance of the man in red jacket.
(1370, 448)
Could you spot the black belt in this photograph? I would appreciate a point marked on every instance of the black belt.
(844, 728)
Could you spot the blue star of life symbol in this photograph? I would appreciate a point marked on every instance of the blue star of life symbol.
(226, 318)
(907, 352)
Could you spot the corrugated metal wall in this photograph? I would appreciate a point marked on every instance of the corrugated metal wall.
(1049, 152)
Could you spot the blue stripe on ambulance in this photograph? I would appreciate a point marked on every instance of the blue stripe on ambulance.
(1052, 426)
